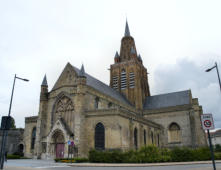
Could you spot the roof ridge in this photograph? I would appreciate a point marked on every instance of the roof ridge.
(169, 93)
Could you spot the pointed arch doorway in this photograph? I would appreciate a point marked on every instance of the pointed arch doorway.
(58, 141)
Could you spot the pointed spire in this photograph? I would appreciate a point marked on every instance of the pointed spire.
(82, 72)
(139, 57)
(132, 50)
(116, 55)
(44, 82)
(127, 31)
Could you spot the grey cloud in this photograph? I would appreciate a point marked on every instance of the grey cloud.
(188, 75)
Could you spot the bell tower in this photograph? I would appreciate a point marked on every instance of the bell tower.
(127, 74)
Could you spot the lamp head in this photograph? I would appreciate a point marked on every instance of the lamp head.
(208, 70)
(25, 79)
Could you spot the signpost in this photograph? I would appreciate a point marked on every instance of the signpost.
(70, 148)
(208, 124)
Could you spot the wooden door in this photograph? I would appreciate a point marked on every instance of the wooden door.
(60, 150)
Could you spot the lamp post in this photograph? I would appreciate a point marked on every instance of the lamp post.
(5, 130)
(208, 70)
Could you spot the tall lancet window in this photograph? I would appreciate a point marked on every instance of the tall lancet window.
(115, 82)
(132, 82)
(123, 80)
(33, 136)
(96, 102)
(99, 137)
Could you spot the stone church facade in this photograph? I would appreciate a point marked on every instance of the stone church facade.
(122, 115)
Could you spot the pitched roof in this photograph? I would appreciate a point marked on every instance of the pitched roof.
(103, 88)
(167, 100)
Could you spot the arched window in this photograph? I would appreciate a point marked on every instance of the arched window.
(99, 137)
(144, 137)
(96, 102)
(123, 80)
(158, 140)
(33, 136)
(135, 138)
(152, 137)
(64, 108)
(115, 82)
(109, 105)
(174, 133)
(132, 82)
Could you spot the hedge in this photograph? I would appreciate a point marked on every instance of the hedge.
(152, 154)
(149, 154)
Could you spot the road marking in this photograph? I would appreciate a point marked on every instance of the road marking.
(46, 167)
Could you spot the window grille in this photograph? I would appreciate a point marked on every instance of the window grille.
(123, 80)
(115, 82)
(132, 82)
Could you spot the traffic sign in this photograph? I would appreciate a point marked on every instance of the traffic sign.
(207, 121)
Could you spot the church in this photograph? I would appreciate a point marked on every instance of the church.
(121, 116)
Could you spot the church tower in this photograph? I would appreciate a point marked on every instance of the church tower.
(127, 74)
(42, 117)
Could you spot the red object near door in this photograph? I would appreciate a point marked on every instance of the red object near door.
(60, 150)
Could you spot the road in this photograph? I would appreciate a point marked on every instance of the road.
(30, 164)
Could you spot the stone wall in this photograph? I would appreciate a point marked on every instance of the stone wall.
(14, 141)
(30, 123)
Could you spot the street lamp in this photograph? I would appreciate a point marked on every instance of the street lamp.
(208, 70)
(5, 130)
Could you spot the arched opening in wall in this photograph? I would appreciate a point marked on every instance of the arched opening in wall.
(33, 136)
(96, 102)
(174, 133)
(110, 105)
(115, 82)
(99, 137)
(58, 142)
(158, 140)
(132, 81)
(135, 139)
(152, 137)
(123, 80)
(145, 137)
(21, 149)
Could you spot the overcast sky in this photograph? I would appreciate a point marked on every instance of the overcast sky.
(178, 40)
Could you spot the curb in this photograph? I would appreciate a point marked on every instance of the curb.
(138, 165)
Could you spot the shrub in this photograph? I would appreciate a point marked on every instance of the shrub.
(182, 154)
(218, 148)
(165, 155)
(217, 155)
(149, 154)
(79, 160)
(13, 157)
(152, 154)
(202, 154)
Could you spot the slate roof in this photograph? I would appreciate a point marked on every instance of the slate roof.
(127, 31)
(44, 82)
(103, 88)
(167, 100)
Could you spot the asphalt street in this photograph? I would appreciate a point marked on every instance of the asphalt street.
(30, 164)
